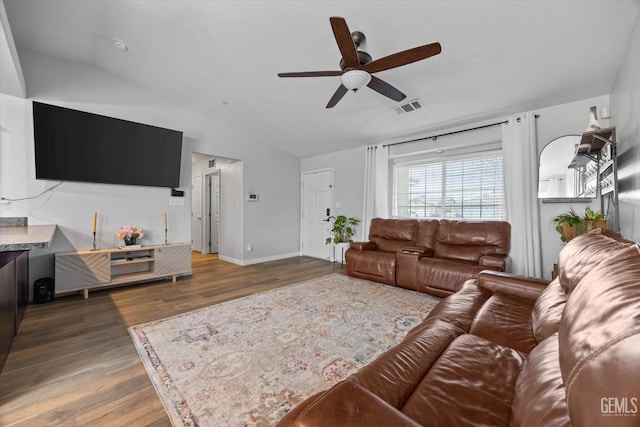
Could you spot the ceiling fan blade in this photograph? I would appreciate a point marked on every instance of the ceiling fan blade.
(337, 96)
(311, 74)
(345, 42)
(386, 89)
(403, 58)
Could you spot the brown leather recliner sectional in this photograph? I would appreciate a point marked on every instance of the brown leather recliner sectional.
(508, 350)
(433, 256)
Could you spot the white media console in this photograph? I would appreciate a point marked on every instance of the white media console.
(95, 269)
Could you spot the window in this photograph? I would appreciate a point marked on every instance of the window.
(469, 188)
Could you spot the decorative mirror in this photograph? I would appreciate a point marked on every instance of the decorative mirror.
(560, 176)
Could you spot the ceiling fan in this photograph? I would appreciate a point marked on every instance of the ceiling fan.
(357, 66)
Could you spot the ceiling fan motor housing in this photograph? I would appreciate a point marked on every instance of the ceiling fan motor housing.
(363, 57)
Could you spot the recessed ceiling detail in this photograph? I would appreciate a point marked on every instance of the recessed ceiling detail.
(408, 107)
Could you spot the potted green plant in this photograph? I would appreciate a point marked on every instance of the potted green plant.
(570, 224)
(342, 232)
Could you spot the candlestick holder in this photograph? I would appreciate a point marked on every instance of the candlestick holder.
(165, 236)
(94, 241)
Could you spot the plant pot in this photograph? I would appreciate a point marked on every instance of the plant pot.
(569, 231)
(592, 225)
(339, 251)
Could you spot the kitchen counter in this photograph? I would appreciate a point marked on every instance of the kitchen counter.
(26, 237)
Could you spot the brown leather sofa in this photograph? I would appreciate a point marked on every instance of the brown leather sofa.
(509, 350)
(433, 256)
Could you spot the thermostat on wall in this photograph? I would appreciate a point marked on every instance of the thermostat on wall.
(253, 197)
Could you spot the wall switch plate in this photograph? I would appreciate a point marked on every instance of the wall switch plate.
(175, 201)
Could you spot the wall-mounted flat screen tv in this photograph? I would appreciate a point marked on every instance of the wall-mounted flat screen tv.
(73, 145)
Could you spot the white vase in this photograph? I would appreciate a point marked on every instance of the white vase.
(594, 124)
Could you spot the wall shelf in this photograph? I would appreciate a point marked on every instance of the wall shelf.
(599, 146)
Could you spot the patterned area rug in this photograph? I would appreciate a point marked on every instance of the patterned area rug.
(249, 361)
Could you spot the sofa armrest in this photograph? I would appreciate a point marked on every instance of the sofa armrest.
(493, 262)
(346, 403)
(417, 250)
(519, 286)
(364, 246)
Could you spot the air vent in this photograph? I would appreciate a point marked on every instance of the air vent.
(212, 163)
(408, 107)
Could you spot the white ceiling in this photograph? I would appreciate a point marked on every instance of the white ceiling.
(222, 58)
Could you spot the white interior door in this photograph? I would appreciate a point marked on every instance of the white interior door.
(196, 213)
(317, 196)
(214, 212)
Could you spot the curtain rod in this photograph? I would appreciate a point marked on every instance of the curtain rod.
(434, 137)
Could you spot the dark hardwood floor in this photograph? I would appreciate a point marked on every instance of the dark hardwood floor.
(73, 362)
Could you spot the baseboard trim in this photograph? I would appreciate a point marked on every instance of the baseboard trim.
(258, 260)
(270, 258)
(229, 259)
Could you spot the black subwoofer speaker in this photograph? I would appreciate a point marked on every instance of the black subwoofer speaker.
(43, 290)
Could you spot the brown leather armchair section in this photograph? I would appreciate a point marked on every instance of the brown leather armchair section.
(376, 259)
(507, 350)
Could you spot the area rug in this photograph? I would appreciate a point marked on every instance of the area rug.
(249, 361)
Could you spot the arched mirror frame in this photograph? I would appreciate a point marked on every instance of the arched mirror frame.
(562, 175)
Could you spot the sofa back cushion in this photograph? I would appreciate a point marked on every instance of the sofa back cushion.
(427, 233)
(539, 398)
(547, 311)
(585, 252)
(391, 235)
(599, 338)
(469, 240)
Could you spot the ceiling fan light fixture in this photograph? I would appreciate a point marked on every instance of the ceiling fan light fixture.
(355, 79)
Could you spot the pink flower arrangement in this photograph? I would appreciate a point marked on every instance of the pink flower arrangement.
(129, 232)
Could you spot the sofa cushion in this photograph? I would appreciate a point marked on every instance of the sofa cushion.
(395, 374)
(584, 252)
(460, 308)
(547, 311)
(506, 319)
(346, 403)
(378, 266)
(427, 233)
(462, 388)
(391, 235)
(469, 240)
(539, 394)
(600, 340)
(444, 274)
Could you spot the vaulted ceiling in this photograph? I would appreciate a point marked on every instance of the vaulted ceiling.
(222, 58)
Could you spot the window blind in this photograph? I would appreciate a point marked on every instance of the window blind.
(463, 188)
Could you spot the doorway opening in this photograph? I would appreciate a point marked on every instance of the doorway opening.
(207, 174)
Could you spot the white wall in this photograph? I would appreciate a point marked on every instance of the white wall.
(625, 111)
(348, 181)
(71, 205)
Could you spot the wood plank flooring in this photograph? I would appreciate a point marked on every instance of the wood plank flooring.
(74, 364)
